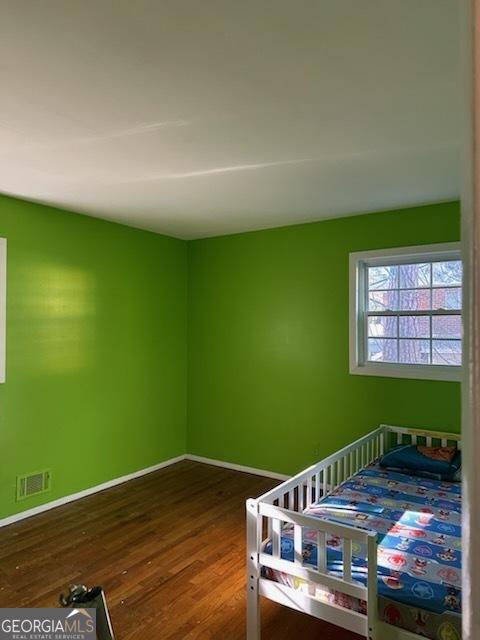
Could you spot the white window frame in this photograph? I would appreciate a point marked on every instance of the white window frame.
(3, 308)
(359, 261)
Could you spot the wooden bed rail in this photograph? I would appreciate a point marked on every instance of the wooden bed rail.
(404, 435)
(277, 517)
(301, 522)
(324, 477)
(285, 505)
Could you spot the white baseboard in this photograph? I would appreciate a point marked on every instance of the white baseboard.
(238, 467)
(131, 476)
(87, 492)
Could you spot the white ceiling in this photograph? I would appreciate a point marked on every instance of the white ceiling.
(204, 117)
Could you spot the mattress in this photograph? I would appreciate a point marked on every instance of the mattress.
(418, 525)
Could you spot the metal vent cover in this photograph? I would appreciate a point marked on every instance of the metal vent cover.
(32, 484)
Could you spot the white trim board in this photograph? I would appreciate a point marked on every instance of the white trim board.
(87, 492)
(3, 308)
(16, 517)
(237, 467)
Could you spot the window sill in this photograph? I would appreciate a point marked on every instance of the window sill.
(415, 372)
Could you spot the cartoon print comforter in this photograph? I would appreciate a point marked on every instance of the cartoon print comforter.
(418, 522)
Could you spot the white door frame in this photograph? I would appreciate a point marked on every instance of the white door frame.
(471, 380)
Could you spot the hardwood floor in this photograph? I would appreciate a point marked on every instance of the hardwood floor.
(169, 549)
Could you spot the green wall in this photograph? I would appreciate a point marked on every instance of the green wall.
(97, 346)
(96, 350)
(269, 385)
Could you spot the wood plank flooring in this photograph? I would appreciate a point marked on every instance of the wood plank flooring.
(168, 548)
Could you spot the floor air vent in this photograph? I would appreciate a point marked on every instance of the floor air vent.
(33, 484)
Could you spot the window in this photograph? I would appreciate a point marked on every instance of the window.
(406, 312)
(3, 305)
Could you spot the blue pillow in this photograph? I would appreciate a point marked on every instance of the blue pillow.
(407, 459)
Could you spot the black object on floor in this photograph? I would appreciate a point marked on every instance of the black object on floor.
(79, 596)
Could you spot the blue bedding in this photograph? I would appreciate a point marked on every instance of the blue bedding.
(418, 522)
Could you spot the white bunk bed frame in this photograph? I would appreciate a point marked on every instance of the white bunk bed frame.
(285, 504)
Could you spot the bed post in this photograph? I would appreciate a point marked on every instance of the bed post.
(372, 587)
(253, 570)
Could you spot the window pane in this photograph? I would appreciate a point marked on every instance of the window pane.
(382, 277)
(382, 326)
(447, 352)
(381, 350)
(447, 326)
(414, 351)
(414, 327)
(447, 273)
(383, 301)
(415, 300)
(447, 298)
(414, 275)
